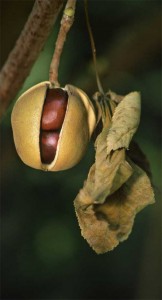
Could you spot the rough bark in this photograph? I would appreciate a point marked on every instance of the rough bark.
(27, 49)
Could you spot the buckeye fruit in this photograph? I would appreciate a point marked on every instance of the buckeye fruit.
(52, 126)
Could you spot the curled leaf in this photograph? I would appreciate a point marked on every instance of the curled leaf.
(105, 225)
(116, 188)
(110, 171)
(125, 122)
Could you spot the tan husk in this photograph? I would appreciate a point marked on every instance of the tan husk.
(25, 119)
(76, 130)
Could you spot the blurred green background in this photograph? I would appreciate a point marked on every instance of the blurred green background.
(43, 255)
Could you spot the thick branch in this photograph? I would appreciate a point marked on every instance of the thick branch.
(27, 49)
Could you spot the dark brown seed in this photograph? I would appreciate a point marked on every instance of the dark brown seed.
(54, 109)
(48, 145)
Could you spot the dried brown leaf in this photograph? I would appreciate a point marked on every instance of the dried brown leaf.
(110, 171)
(116, 188)
(125, 122)
(105, 225)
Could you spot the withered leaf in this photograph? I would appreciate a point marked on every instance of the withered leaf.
(125, 122)
(116, 188)
(110, 171)
(105, 225)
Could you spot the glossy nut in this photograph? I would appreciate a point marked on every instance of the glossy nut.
(68, 137)
(48, 146)
(54, 109)
(53, 114)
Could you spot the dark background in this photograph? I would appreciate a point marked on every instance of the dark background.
(43, 255)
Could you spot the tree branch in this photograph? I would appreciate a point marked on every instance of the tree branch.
(27, 49)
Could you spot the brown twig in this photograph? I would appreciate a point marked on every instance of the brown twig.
(27, 49)
(66, 23)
